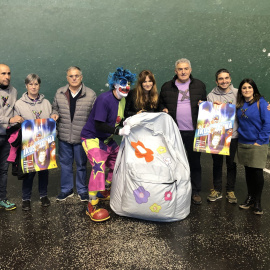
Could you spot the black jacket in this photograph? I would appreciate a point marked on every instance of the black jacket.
(169, 95)
(130, 108)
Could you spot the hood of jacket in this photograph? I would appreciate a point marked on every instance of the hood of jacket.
(26, 99)
(218, 91)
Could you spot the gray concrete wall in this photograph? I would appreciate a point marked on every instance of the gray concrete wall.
(46, 37)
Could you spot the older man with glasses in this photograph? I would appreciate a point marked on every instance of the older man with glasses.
(71, 107)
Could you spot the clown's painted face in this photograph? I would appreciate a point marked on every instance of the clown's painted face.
(122, 88)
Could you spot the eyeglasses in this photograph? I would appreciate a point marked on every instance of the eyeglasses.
(74, 76)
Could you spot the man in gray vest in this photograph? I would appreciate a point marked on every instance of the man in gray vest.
(71, 107)
(8, 97)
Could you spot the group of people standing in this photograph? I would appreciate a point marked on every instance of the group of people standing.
(86, 125)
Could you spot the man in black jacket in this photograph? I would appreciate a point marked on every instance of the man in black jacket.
(179, 98)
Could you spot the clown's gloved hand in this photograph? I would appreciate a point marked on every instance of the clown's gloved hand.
(125, 122)
(124, 131)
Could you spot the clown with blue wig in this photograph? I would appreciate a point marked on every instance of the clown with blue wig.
(105, 120)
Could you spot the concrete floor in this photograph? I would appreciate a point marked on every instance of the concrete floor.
(215, 235)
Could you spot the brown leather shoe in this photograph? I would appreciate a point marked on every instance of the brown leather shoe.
(196, 199)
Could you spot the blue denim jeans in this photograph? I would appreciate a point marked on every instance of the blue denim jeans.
(27, 185)
(4, 152)
(67, 153)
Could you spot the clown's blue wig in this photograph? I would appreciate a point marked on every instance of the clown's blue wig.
(121, 76)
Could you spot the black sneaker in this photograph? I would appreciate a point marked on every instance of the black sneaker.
(258, 208)
(84, 197)
(26, 205)
(247, 203)
(63, 196)
(45, 201)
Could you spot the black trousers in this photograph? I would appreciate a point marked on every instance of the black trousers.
(231, 168)
(4, 153)
(194, 160)
(255, 182)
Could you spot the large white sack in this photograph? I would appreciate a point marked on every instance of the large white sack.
(151, 177)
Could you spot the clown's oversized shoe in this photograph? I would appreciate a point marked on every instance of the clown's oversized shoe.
(95, 213)
(104, 195)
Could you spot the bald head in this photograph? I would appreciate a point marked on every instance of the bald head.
(4, 75)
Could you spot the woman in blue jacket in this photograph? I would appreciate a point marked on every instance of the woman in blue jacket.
(254, 131)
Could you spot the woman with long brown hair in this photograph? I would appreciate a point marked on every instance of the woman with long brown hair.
(144, 98)
(253, 140)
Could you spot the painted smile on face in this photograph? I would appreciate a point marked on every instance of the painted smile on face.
(124, 90)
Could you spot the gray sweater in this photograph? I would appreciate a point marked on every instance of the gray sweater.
(230, 97)
(27, 108)
(68, 131)
(8, 98)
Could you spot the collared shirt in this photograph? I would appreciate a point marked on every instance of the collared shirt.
(75, 94)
